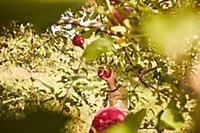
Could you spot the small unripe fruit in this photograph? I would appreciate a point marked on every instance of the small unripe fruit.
(78, 41)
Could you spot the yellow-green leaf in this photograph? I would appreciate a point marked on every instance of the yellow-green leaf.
(97, 47)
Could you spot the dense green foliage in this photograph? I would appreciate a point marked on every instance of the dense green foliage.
(47, 72)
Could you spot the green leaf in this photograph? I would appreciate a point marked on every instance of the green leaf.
(97, 47)
(131, 123)
(47, 86)
(94, 15)
(88, 33)
(171, 118)
(118, 129)
(134, 121)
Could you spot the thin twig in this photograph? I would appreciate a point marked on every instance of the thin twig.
(149, 70)
(82, 24)
(79, 66)
(129, 58)
(137, 73)
(67, 93)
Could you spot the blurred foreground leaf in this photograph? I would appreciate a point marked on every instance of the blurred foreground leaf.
(171, 34)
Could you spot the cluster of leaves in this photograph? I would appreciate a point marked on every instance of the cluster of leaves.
(37, 70)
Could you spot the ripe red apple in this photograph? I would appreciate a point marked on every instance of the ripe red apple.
(78, 41)
(106, 118)
(103, 73)
(108, 73)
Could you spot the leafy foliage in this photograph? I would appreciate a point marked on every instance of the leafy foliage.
(48, 70)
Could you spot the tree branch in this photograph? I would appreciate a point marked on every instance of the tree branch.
(137, 73)
(149, 70)
(96, 25)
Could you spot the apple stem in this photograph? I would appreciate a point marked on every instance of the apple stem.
(79, 66)
(139, 75)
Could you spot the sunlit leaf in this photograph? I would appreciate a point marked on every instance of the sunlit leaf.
(171, 118)
(88, 33)
(118, 129)
(134, 121)
(97, 47)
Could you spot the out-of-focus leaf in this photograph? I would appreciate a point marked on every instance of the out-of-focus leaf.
(48, 86)
(41, 13)
(118, 129)
(94, 15)
(97, 47)
(169, 34)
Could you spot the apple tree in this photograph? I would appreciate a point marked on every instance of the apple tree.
(151, 46)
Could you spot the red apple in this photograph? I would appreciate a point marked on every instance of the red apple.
(78, 41)
(103, 73)
(106, 118)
